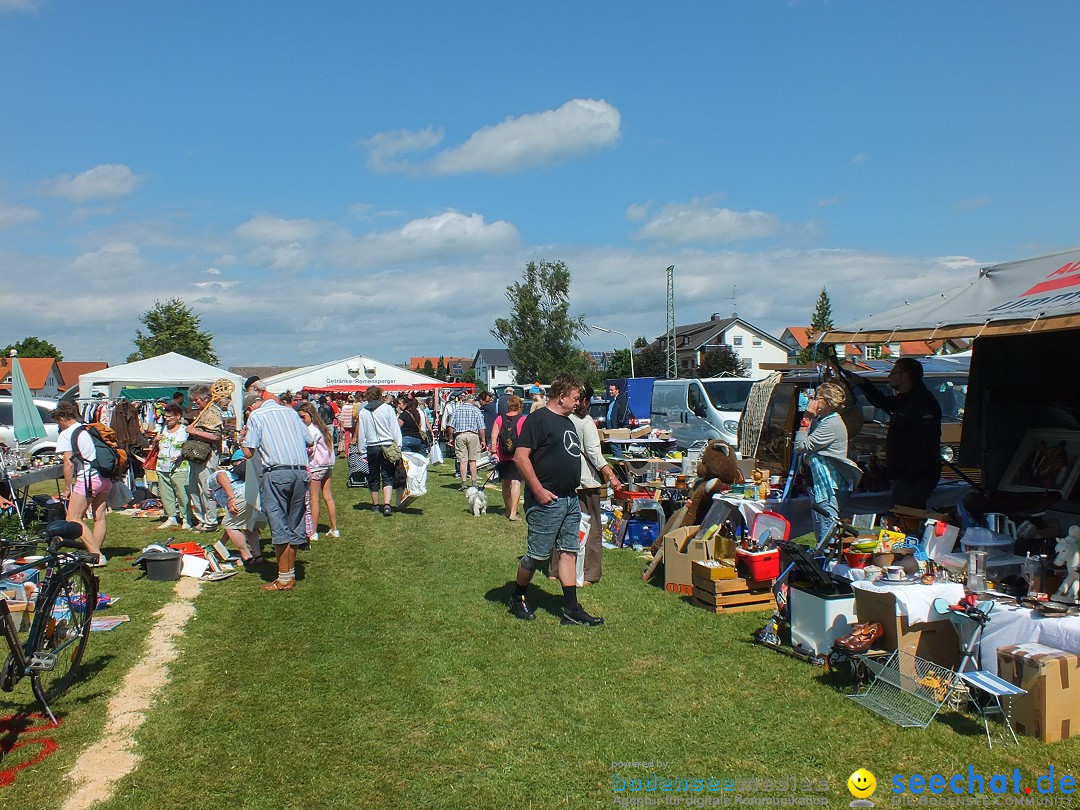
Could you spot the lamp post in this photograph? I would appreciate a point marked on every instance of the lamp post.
(617, 332)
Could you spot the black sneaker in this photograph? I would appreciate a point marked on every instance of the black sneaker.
(577, 615)
(520, 608)
(386, 510)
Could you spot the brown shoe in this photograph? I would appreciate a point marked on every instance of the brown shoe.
(277, 585)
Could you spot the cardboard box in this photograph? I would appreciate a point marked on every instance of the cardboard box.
(1049, 710)
(615, 433)
(677, 564)
(933, 641)
(640, 432)
(700, 572)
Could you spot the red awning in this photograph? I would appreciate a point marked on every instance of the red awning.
(352, 389)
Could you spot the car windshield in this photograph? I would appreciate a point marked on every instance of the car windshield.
(950, 392)
(728, 395)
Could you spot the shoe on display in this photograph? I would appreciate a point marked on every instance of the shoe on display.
(520, 608)
(577, 615)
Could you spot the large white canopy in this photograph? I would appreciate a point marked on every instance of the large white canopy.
(165, 369)
(356, 373)
(1033, 295)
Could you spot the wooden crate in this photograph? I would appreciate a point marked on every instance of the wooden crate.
(734, 595)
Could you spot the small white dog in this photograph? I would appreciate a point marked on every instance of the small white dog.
(477, 500)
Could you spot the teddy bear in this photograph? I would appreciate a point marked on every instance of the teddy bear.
(716, 466)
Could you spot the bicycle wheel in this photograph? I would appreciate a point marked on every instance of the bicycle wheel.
(61, 630)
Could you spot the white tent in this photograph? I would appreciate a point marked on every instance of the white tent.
(165, 369)
(356, 373)
(1033, 295)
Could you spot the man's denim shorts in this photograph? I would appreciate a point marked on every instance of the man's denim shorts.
(557, 523)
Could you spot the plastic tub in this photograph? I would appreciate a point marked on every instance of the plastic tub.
(857, 559)
(163, 566)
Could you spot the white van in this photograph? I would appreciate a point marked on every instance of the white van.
(696, 410)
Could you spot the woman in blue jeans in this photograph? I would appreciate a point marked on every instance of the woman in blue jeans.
(410, 421)
(823, 439)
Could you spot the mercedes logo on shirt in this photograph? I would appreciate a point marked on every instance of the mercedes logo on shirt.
(571, 443)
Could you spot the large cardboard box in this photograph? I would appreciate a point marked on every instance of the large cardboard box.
(1051, 709)
(615, 433)
(678, 576)
(933, 641)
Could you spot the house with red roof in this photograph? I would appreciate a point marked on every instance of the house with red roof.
(41, 373)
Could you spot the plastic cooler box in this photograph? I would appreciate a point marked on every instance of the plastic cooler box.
(758, 564)
(641, 533)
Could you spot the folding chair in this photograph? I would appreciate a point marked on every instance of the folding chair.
(995, 690)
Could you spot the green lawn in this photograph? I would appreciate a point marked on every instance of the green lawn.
(393, 676)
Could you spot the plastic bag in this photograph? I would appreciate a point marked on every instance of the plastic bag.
(435, 454)
(583, 533)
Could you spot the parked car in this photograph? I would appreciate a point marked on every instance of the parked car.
(773, 408)
(37, 446)
(696, 410)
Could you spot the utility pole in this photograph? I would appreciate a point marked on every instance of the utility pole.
(672, 354)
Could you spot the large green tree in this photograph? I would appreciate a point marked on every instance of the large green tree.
(171, 326)
(428, 370)
(719, 361)
(619, 365)
(820, 321)
(34, 347)
(540, 334)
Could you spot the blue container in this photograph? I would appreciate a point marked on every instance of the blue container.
(641, 533)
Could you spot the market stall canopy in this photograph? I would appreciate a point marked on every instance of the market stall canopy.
(357, 373)
(1033, 295)
(170, 369)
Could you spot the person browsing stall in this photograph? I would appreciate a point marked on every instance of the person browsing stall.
(277, 434)
(467, 432)
(549, 458)
(83, 484)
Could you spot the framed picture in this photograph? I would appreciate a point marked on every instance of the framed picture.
(1046, 459)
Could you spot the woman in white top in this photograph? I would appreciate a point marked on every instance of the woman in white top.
(320, 469)
(377, 429)
(85, 487)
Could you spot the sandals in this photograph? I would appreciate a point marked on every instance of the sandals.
(276, 585)
(861, 637)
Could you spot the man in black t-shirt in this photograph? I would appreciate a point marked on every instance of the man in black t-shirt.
(548, 456)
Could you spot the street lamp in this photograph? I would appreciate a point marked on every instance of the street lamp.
(617, 332)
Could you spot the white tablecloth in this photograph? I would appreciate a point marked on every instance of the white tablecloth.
(915, 600)
(1010, 625)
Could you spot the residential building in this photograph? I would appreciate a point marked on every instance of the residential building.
(797, 338)
(41, 373)
(493, 368)
(752, 345)
(455, 366)
(71, 370)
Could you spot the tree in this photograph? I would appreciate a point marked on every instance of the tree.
(820, 321)
(719, 361)
(540, 335)
(173, 327)
(651, 361)
(34, 347)
(469, 376)
(429, 370)
(619, 365)
(440, 370)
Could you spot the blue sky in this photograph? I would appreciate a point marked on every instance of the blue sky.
(330, 178)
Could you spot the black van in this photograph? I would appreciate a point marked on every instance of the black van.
(771, 417)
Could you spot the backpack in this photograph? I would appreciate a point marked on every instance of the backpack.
(110, 460)
(508, 434)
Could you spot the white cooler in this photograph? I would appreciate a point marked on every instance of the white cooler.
(819, 619)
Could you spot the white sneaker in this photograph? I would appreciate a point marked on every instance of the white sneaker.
(168, 524)
(333, 533)
(314, 536)
(101, 561)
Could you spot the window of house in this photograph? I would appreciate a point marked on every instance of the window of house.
(737, 340)
(873, 352)
(756, 343)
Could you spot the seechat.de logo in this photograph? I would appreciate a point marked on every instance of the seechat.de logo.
(862, 785)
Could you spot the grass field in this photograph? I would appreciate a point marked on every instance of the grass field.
(393, 676)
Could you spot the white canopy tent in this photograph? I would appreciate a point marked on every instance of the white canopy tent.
(1033, 295)
(352, 374)
(165, 369)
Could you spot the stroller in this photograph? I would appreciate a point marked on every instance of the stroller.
(358, 468)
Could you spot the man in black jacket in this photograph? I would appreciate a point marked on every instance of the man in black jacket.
(913, 444)
(618, 415)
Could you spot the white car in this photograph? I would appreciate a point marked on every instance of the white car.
(37, 446)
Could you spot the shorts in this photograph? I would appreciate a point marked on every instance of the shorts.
(556, 524)
(467, 446)
(247, 517)
(97, 484)
(508, 471)
(320, 473)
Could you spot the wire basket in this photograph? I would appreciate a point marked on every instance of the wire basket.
(908, 690)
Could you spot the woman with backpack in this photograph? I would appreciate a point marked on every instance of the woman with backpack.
(504, 434)
(85, 486)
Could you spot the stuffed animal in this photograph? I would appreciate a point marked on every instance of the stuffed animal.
(1069, 556)
(716, 466)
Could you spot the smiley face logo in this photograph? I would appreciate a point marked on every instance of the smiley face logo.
(862, 784)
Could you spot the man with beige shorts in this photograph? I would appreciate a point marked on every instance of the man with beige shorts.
(467, 431)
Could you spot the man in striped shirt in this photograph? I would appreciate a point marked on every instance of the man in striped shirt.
(281, 439)
(467, 431)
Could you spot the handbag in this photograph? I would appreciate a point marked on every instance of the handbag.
(150, 462)
(392, 453)
(195, 450)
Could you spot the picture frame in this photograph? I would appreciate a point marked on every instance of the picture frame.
(1047, 459)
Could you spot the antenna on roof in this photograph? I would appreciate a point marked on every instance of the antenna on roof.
(734, 298)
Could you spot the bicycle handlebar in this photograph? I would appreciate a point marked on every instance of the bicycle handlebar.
(846, 528)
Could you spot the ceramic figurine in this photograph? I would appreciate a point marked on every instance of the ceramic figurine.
(1069, 556)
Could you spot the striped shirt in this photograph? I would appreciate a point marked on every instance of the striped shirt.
(279, 434)
(467, 418)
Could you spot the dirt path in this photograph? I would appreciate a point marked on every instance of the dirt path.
(99, 768)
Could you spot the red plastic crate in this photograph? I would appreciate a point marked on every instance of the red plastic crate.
(194, 549)
(758, 564)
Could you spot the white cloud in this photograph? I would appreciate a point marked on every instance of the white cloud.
(636, 213)
(515, 144)
(107, 181)
(277, 230)
(825, 202)
(12, 215)
(860, 158)
(20, 5)
(700, 223)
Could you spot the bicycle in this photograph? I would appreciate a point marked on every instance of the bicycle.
(62, 606)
